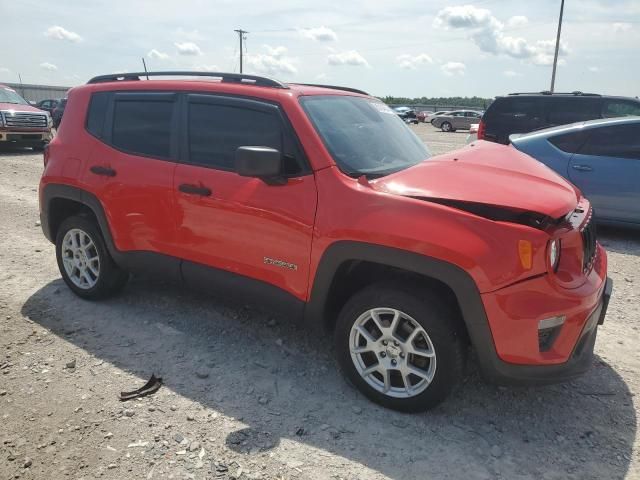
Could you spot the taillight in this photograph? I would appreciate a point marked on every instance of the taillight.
(45, 155)
(481, 129)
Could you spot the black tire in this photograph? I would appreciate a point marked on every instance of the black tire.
(111, 278)
(446, 127)
(436, 318)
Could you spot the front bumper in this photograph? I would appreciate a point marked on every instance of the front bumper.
(20, 137)
(514, 313)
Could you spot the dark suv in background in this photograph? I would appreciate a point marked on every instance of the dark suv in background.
(526, 112)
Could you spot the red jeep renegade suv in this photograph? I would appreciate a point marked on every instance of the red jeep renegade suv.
(320, 201)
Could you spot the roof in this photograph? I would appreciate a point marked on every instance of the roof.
(245, 80)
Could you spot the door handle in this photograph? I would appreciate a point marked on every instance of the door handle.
(105, 171)
(582, 168)
(194, 190)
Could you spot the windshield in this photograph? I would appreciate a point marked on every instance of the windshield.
(364, 136)
(8, 95)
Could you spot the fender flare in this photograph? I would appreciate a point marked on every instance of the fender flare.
(54, 191)
(457, 279)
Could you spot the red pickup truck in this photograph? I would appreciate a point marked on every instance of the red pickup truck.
(20, 123)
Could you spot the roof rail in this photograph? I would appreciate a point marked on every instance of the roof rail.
(224, 77)
(576, 93)
(333, 87)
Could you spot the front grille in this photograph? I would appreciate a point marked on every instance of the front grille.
(588, 233)
(24, 119)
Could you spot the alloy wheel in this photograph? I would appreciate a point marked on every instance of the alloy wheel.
(80, 259)
(392, 352)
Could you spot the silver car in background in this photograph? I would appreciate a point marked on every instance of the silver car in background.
(457, 120)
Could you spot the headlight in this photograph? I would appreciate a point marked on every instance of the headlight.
(1, 120)
(554, 254)
(49, 120)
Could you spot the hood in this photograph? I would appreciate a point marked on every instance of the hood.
(485, 174)
(19, 108)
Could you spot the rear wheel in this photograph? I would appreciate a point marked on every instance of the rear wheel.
(446, 127)
(399, 347)
(84, 262)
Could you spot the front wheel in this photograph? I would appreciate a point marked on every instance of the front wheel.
(398, 345)
(84, 261)
(446, 127)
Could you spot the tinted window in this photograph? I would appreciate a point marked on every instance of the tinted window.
(621, 141)
(97, 112)
(561, 111)
(569, 142)
(509, 115)
(620, 108)
(216, 132)
(143, 126)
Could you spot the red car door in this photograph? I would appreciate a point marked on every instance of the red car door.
(238, 224)
(131, 166)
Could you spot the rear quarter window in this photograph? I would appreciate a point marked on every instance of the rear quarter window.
(569, 142)
(97, 113)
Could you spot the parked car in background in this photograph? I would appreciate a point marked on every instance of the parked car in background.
(433, 257)
(601, 157)
(422, 115)
(473, 132)
(58, 112)
(528, 112)
(457, 120)
(407, 114)
(47, 105)
(20, 123)
(432, 116)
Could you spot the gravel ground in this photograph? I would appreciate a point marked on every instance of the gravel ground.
(250, 396)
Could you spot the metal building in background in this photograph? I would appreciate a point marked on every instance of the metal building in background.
(35, 93)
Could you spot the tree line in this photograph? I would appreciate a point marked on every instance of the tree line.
(475, 102)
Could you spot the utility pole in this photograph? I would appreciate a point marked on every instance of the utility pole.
(555, 58)
(144, 64)
(241, 36)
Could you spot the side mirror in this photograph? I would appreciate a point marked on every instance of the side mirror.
(260, 162)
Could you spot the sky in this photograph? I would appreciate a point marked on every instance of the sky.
(409, 48)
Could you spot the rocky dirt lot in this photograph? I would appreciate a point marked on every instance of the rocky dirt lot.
(250, 396)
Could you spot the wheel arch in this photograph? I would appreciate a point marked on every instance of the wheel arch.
(343, 257)
(61, 201)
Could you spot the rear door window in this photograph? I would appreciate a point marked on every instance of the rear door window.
(619, 141)
(143, 123)
(564, 110)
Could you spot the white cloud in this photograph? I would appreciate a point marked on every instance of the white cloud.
(411, 62)
(620, 27)
(511, 73)
(350, 57)
(59, 33)
(488, 34)
(594, 69)
(453, 68)
(274, 62)
(207, 68)
(319, 34)
(188, 48)
(48, 66)
(157, 55)
(4, 70)
(517, 21)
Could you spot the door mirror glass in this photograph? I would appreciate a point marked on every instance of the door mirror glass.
(260, 162)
